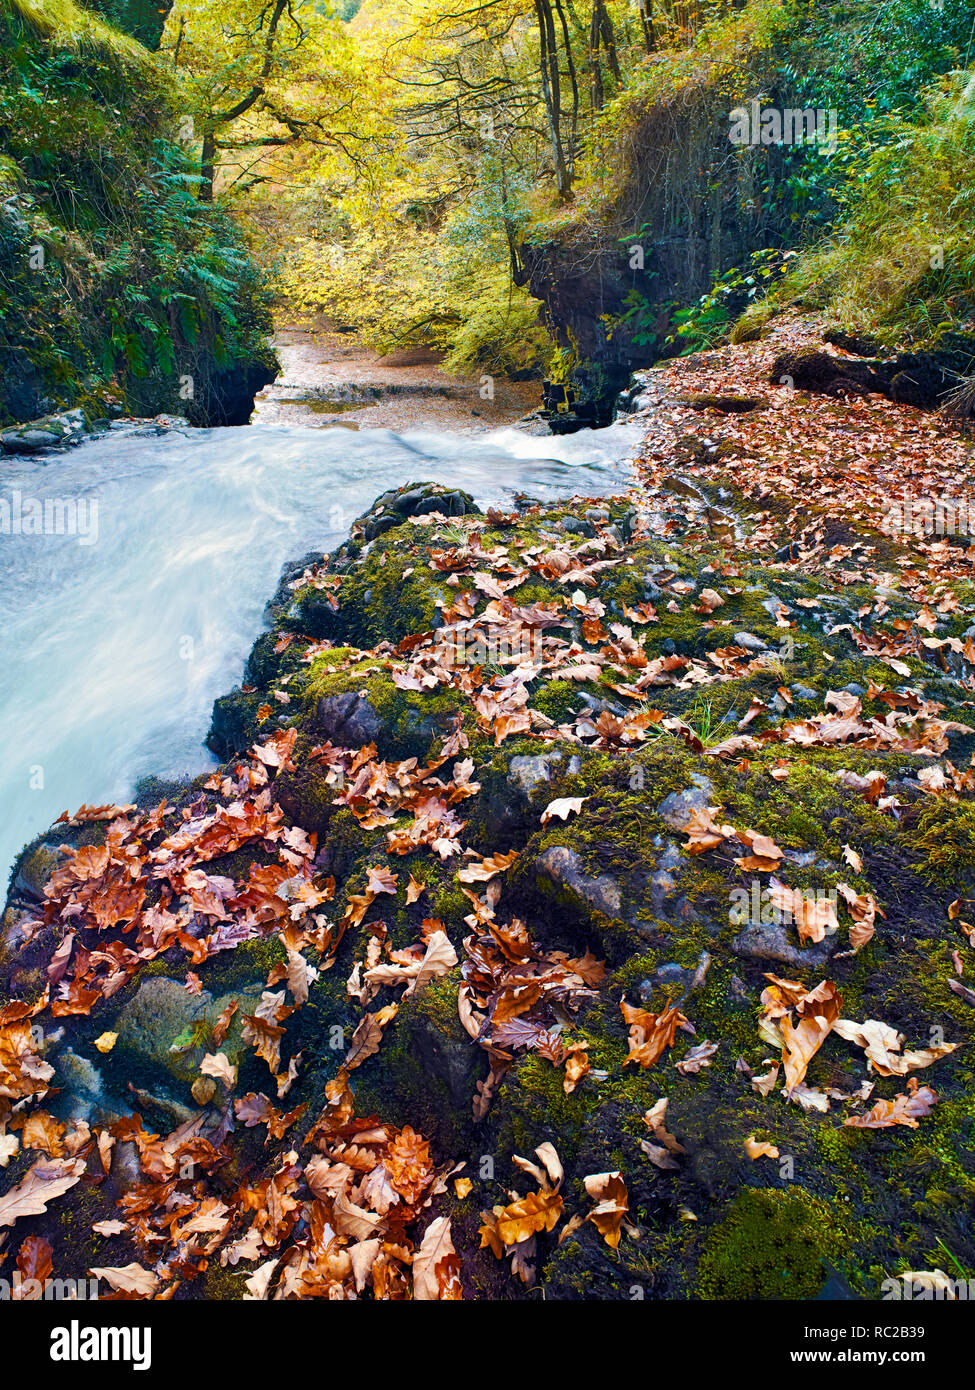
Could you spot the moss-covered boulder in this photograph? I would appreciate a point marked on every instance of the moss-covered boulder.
(589, 833)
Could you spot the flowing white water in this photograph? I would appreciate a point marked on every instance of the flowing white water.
(114, 645)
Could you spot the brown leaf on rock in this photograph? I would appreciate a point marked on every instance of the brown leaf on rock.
(436, 1246)
(882, 1045)
(819, 1010)
(760, 1148)
(35, 1260)
(47, 1179)
(131, 1279)
(487, 868)
(548, 1173)
(905, 1109)
(704, 832)
(814, 914)
(864, 911)
(608, 1191)
(42, 1131)
(539, 1211)
(650, 1034)
(576, 1066)
(563, 807)
(368, 1035)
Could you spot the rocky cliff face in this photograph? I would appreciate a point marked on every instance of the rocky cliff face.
(689, 205)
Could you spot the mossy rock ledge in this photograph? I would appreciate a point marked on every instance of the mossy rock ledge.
(840, 1206)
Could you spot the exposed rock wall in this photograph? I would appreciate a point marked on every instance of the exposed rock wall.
(686, 210)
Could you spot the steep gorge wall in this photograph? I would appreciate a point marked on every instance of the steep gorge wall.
(119, 289)
(686, 209)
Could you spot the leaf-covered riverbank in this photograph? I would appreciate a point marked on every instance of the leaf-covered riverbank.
(619, 852)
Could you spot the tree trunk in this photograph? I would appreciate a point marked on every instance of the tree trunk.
(596, 93)
(552, 93)
(208, 161)
(646, 23)
(571, 70)
(608, 35)
(601, 33)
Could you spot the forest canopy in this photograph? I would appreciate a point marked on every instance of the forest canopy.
(391, 158)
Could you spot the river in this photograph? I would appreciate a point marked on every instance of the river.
(115, 643)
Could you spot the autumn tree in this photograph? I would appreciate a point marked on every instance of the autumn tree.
(258, 74)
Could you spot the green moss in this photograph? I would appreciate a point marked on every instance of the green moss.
(946, 838)
(410, 720)
(425, 1072)
(557, 700)
(533, 1106)
(249, 963)
(770, 1245)
(224, 1284)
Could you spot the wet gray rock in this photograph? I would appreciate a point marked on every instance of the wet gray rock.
(577, 526)
(738, 991)
(527, 773)
(378, 525)
(511, 808)
(772, 942)
(450, 1059)
(677, 809)
(160, 1015)
(414, 499)
(82, 1086)
(165, 1026)
(687, 979)
(596, 705)
(28, 441)
(349, 720)
(15, 931)
(34, 871)
(670, 973)
(661, 887)
(750, 642)
(671, 857)
(48, 434)
(563, 867)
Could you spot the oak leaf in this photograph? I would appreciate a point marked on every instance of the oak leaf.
(904, 1109)
(563, 807)
(760, 1148)
(819, 1011)
(650, 1034)
(539, 1211)
(882, 1045)
(608, 1190)
(435, 1246)
(47, 1179)
(487, 868)
(130, 1278)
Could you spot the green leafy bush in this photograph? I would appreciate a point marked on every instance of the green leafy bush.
(709, 320)
(902, 261)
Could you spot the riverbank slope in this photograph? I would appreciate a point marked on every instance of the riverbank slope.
(621, 853)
